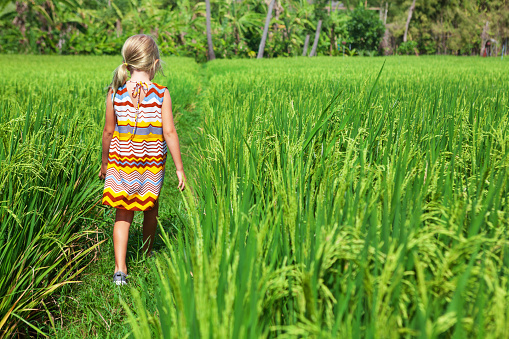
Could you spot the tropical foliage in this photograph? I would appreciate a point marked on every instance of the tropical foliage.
(100, 26)
(365, 29)
(451, 27)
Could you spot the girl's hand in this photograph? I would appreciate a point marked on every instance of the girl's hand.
(102, 172)
(182, 179)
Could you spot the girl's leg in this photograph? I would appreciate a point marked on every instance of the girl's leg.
(149, 227)
(123, 221)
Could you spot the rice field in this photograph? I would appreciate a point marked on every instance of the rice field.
(51, 121)
(337, 199)
(332, 197)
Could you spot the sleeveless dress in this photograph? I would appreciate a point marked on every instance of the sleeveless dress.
(137, 153)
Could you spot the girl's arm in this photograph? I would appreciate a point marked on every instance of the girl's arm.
(109, 128)
(172, 139)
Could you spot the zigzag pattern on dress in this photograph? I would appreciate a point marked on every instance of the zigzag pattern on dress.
(137, 153)
(133, 164)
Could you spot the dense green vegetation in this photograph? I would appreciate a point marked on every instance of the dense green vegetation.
(51, 220)
(331, 203)
(101, 26)
(48, 135)
(325, 199)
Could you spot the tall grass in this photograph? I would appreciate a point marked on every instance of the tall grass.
(333, 203)
(51, 119)
(48, 134)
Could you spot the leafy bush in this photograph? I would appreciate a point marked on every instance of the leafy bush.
(428, 46)
(350, 52)
(366, 53)
(407, 48)
(365, 29)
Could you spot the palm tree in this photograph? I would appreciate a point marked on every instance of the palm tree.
(242, 21)
(306, 44)
(317, 36)
(410, 11)
(211, 53)
(265, 30)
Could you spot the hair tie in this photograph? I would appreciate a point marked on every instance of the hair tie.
(125, 63)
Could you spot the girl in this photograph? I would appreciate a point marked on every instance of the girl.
(139, 128)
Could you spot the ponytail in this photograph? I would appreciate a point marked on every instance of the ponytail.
(139, 52)
(119, 77)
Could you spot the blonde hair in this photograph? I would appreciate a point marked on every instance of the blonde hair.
(140, 53)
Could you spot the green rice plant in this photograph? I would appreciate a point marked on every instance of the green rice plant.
(332, 200)
(52, 112)
(48, 187)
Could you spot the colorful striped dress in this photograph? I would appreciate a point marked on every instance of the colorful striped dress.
(137, 153)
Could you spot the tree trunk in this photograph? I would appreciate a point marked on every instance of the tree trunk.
(386, 10)
(306, 44)
(277, 10)
(237, 39)
(119, 28)
(211, 54)
(332, 39)
(385, 45)
(410, 11)
(317, 36)
(21, 18)
(484, 37)
(265, 30)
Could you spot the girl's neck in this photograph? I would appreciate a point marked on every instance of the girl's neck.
(138, 76)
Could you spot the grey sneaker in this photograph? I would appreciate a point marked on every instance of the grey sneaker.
(120, 278)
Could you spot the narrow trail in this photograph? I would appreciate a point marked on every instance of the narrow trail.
(192, 120)
(189, 123)
(93, 308)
